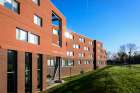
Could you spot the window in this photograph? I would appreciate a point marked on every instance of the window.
(79, 62)
(86, 48)
(55, 32)
(90, 42)
(82, 40)
(69, 35)
(2, 2)
(21, 34)
(67, 63)
(100, 62)
(76, 46)
(81, 55)
(70, 63)
(36, 2)
(28, 72)
(63, 63)
(39, 71)
(70, 53)
(51, 62)
(10, 4)
(34, 39)
(86, 62)
(37, 20)
(91, 56)
(27, 36)
(12, 72)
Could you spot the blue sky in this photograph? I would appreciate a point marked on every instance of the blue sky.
(114, 22)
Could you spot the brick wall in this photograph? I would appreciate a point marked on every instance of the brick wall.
(3, 71)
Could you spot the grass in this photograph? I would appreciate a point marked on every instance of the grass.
(68, 79)
(116, 79)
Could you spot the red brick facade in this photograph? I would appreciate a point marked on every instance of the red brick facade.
(99, 54)
(59, 53)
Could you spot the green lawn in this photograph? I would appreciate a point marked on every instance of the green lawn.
(116, 79)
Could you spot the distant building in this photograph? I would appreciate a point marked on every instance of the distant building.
(100, 55)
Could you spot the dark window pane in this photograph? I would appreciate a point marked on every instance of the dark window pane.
(11, 82)
(12, 72)
(39, 71)
(28, 72)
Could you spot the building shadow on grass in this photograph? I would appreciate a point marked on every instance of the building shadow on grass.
(97, 82)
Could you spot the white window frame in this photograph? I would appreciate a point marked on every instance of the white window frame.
(86, 62)
(32, 38)
(27, 36)
(55, 32)
(51, 62)
(70, 53)
(90, 43)
(81, 55)
(82, 40)
(37, 20)
(2, 2)
(36, 2)
(13, 3)
(21, 35)
(79, 62)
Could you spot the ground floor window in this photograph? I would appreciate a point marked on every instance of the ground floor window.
(87, 62)
(51, 62)
(39, 71)
(12, 72)
(67, 63)
(79, 62)
(28, 72)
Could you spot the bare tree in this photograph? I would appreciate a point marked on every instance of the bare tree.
(122, 55)
(108, 55)
(123, 48)
(131, 50)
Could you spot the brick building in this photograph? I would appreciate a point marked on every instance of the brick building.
(99, 55)
(33, 45)
(79, 56)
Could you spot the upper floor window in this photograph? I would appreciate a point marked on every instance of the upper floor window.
(36, 2)
(81, 55)
(10, 4)
(76, 46)
(70, 53)
(34, 39)
(69, 35)
(27, 36)
(37, 20)
(21, 34)
(86, 48)
(55, 32)
(82, 40)
(91, 56)
(90, 43)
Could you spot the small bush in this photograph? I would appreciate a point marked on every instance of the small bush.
(82, 72)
